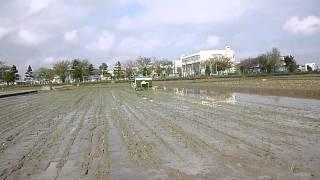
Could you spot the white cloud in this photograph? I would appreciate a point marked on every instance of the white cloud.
(28, 38)
(166, 28)
(126, 23)
(134, 46)
(213, 40)
(71, 35)
(42, 61)
(184, 39)
(104, 43)
(305, 26)
(181, 12)
(38, 5)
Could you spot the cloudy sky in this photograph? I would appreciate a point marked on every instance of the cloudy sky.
(41, 32)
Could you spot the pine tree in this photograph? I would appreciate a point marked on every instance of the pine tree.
(14, 70)
(91, 69)
(117, 71)
(103, 69)
(290, 63)
(28, 74)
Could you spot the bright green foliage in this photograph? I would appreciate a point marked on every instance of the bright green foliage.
(138, 83)
(145, 71)
(9, 77)
(61, 69)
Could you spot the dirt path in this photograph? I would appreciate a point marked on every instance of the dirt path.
(110, 132)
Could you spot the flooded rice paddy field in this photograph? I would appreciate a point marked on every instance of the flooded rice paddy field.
(113, 132)
(290, 86)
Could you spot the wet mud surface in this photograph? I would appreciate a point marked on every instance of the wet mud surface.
(290, 87)
(113, 132)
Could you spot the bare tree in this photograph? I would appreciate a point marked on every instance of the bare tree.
(274, 59)
(128, 67)
(248, 65)
(143, 61)
(263, 61)
(221, 63)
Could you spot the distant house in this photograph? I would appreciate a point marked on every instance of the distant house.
(282, 66)
(177, 67)
(311, 66)
(111, 73)
(95, 75)
(56, 79)
(94, 78)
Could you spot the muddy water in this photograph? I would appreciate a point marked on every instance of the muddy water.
(288, 128)
(307, 107)
(114, 132)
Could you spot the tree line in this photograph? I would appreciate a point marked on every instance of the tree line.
(268, 62)
(8, 74)
(80, 70)
(147, 66)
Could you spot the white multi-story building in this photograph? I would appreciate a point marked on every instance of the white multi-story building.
(195, 64)
(177, 64)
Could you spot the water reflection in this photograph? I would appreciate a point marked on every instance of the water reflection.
(301, 107)
(205, 97)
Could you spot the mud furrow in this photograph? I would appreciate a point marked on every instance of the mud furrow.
(20, 129)
(66, 152)
(112, 132)
(193, 142)
(138, 148)
(37, 150)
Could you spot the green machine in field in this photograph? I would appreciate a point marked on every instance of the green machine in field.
(140, 83)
